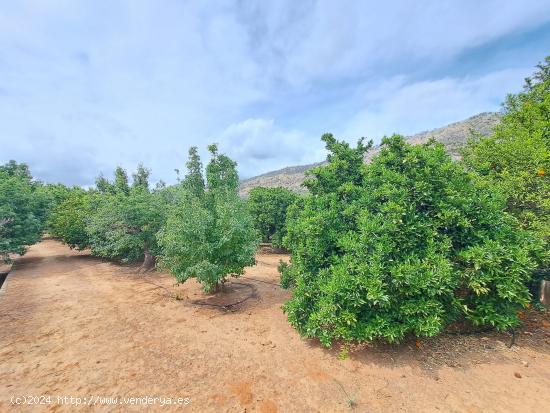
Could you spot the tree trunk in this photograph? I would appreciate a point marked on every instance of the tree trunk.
(215, 288)
(148, 262)
(544, 296)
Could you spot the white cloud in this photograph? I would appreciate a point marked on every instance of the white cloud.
(407, 108)
(121, 82)
(328, 39)
(261, 146)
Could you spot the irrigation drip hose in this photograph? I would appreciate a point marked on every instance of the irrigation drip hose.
(513, 341)
(469, 333)
(260, 281)
(228, 306)
(223, 306)
(157, 285)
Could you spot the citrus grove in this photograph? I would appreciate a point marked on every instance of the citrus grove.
(403, 246)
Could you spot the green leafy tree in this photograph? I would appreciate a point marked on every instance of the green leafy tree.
(22, 209)
(141, 178)
(103, 185)
(268, 207)
(194, 180)
(18, 170)
(221, 172)
(209, 233)
(50, 196)
(160, 186)
(517, 156)
(120, 183)
(124, 227)
(124, 221)
(405, 245)
(68, 220)
(54, 194)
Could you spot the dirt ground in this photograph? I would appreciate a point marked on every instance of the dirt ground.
(76, 326)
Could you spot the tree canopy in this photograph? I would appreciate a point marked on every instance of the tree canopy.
(140, 179)
(23, 209)
(405, 245)
(209, 233)
(120, 183)
(268, 207)
(516, 159)
(124, 221)
(116, 220)
(517, 156)
(68, 220)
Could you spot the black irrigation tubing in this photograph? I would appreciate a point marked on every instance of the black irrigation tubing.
(224, 306)
(341, 386)
(485, 330)
(261, 281)
(513, 341)
(227, 306)
(350, 401)
(470, 333)
(157, 285)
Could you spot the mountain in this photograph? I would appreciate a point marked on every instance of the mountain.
(453, 136)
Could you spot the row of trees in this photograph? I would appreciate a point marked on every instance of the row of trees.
(199, 228)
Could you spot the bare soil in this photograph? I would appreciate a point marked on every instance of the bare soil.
(73, 325)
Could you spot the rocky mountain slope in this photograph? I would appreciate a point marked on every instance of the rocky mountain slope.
(453, 136)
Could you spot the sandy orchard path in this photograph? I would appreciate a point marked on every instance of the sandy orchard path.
(72, 325)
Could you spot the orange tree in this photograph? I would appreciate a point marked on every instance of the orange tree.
(516, 157)
(405, 245)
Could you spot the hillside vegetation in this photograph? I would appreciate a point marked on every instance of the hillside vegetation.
(453, 137)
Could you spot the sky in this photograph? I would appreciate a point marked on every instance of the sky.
(86, 86)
